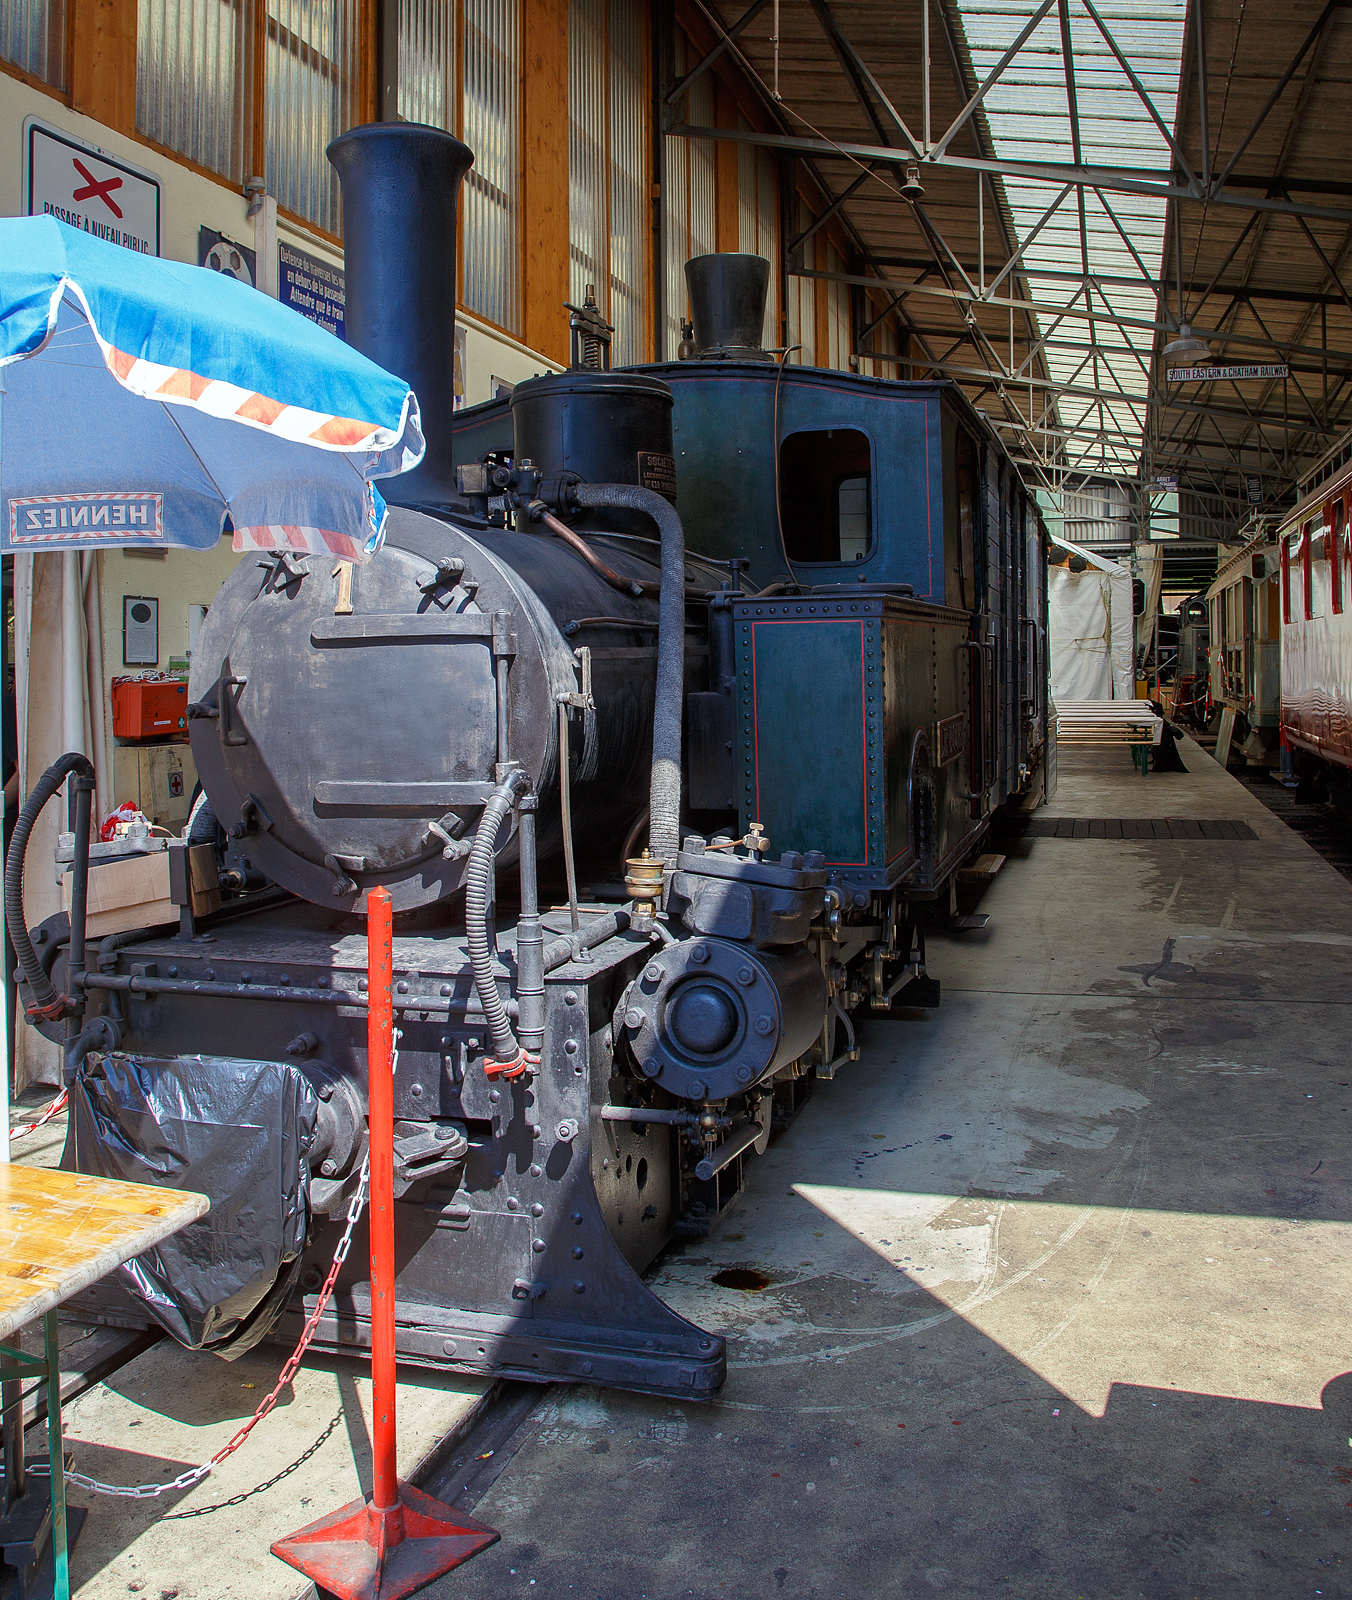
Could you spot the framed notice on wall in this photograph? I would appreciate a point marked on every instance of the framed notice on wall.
(140, 630)
(80, 184)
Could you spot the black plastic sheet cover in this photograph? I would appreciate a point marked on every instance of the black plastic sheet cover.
(239, 1132)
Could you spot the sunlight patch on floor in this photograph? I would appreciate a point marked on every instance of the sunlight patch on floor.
(1090, 1296)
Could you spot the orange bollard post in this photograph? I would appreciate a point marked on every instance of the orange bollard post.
(398, 1540)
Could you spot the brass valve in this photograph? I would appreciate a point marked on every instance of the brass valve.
(643, 882)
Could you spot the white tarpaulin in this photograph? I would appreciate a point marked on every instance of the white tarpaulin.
(1150, 565)
(1089, 622)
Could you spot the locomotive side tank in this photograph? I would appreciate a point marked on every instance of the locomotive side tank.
(543, 656)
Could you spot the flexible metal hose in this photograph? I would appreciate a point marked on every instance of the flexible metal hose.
(46, 1003)
(506, 1052)
(665, 788)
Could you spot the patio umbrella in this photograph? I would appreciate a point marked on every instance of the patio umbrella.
(150, 403)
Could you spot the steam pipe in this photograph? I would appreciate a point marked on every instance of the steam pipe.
(122, 983)
(729, 1150)
(557, 951)
(530, 941)
(665, 788)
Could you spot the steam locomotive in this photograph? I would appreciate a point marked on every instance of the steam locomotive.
(667, 714)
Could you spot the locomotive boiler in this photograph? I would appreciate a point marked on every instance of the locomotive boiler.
(666, 714)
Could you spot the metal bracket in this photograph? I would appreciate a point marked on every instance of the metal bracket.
(340, 867)
(227, 707)
(251, 817)
(454, 846)
(581, 699)
(503, 639)
(280, 575)
(450, 570)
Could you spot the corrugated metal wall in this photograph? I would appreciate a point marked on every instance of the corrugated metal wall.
(758, 221)
(427, 62)
(190, 78)
(587, 163)
(1099, 513)
(311, 89)
(491, 267)
(802, 298)
(608, 166)
(33, 36)
(837, 314)
(689, 197)
(630, 230)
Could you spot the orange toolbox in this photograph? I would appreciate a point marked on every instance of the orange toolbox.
(150, 710)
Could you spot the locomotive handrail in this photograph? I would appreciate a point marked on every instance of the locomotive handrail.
(983, 714)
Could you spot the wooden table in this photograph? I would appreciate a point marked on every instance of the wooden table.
(60, 1232)
(1134, 723)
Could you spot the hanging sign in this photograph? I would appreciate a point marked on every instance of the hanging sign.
(1232, 374)
(312, 287)
(78, 184)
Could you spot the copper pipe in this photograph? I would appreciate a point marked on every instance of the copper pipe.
(630, 586)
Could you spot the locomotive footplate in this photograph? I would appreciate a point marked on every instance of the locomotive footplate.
(523, 1218)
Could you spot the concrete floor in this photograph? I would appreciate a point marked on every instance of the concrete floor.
(171, 1408)
(1058, 1275)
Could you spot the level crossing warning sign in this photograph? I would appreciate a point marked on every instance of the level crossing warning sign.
(80, 185)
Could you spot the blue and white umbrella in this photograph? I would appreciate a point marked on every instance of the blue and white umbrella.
(149, 403)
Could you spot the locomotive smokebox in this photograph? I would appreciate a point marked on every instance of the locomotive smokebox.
(401, 182)
(604, 427)
(727, 305)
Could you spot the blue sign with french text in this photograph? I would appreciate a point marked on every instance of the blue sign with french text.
(312, 287)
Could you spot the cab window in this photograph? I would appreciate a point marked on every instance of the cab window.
(826, 494)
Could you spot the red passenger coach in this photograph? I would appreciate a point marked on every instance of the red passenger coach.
(1316, 596)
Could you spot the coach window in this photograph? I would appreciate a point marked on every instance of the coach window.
(826, 495)
(1316, 568)
(1287, 550)
(1337, 533)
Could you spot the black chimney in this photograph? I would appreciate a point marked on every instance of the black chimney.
(727, 305)
(400, 185)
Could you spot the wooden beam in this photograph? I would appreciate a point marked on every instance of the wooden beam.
(544, 208)
(727, 228)
(103, 62)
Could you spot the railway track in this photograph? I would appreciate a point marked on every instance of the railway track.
(1322, 828)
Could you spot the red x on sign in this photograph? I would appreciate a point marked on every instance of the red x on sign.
(102, 188)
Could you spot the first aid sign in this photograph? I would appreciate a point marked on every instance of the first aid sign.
(78, 184)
